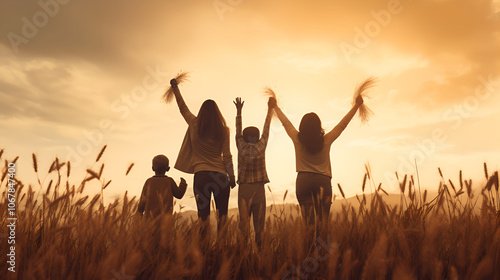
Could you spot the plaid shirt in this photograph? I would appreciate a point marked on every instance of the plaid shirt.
(252, 156)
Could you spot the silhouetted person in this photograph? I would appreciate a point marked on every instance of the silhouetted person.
(159, 191)
(252, 174)
(312, 159)
(205, 152)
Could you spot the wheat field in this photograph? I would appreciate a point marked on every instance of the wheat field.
(63, 234)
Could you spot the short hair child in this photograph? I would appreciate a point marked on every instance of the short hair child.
(252, 174)
(251, 134)
(158, 193)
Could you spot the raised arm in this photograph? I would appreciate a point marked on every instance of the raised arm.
(289, 128)
(337, 130)
(179, 191)
(188, 116)
(267, 122)
(239, 107)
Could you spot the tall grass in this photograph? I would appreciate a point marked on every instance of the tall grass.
(63, 234)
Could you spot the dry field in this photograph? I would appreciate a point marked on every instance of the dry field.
(63, 234)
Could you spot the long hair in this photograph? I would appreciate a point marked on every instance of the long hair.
(211, 123)
(311, 134)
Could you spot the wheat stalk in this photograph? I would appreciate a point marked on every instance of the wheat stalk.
(362, 90)
(100, 153)
(35, 164)
(269, 92)
(357, 243)
(168, 96)
(129, 168)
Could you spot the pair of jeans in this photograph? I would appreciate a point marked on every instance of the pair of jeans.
(252, 201)
(314, 193)
(206, 184)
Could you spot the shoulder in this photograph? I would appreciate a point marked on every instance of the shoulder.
(193, 122)
(169, 179)
(165, 179)
(147, 183)
(240, 143)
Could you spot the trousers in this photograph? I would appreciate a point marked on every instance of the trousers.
(252, 202)
(314, 193)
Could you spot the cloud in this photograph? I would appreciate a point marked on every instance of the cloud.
(47, 92)
(428, 57)
(458, 41)
(108, 33)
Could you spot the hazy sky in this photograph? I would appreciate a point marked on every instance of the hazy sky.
(75, 75)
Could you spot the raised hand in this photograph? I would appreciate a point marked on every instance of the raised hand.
(173, 82)
(238, 103)
(272, 103)
(359, 100)
(183, 181)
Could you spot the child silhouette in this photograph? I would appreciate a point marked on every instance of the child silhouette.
(252, 174)
(159, 191)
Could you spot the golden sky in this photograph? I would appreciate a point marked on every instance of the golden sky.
(75, 75)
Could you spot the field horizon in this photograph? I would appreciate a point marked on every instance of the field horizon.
(60, 233)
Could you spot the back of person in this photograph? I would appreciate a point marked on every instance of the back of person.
(317, 163)
(313, 165)
(253, 167)
(252, 174)
(252, 162)
(159, 197)
(207, 152)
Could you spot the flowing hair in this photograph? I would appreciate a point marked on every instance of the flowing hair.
(311, 134)
(211, 123)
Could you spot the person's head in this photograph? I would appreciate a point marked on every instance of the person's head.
(211, 123)
(160, 164)
(311, 134)
(251, 134)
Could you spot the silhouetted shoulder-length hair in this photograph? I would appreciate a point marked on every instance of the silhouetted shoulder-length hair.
(311, 134)
(211, 123)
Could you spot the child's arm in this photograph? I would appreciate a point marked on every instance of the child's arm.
(179, 192)
(260, 149)
(142, 200)
(267, 123)
(239, 106)
(188, 116)
(289, 128)
(337, 130)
